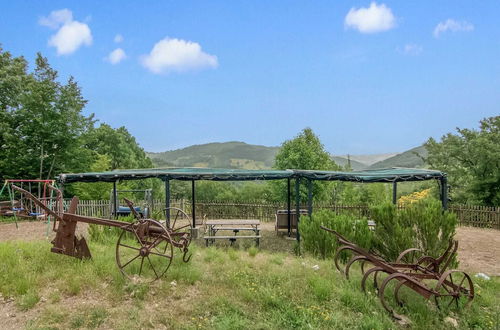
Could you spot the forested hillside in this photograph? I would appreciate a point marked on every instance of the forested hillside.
(410, 158)
(228, 154)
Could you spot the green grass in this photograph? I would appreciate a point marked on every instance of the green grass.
(220, 288)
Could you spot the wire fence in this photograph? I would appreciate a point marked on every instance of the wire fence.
(467, 215)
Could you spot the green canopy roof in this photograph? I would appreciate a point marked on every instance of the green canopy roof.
(218, 174)
(185, 173)
(395, 174)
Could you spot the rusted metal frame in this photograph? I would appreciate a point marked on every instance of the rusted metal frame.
(132, 209)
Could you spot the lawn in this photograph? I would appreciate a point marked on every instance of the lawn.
(220, 288)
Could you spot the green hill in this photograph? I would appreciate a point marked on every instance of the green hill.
(223, 155)
(355, 165)
(408, 158)
(247, 156)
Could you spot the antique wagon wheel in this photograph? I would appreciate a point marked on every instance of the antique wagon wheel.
(180, 227)
(454, 289)
(145, 249)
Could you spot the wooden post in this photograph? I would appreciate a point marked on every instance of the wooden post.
(297, 206)
(193, 196)
(394, 192)
(309, 197)
(289, 211)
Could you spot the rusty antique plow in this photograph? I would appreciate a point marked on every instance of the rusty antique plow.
(145, 247)
(424, 275)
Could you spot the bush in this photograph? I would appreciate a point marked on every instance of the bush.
(422, 224)
(323, 244)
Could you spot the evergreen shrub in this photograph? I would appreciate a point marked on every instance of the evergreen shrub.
(323, 244)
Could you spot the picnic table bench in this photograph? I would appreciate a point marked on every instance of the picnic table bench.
(212, 227)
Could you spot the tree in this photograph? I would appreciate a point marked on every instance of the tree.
(472, 160)
(41, 119)
(304, 152)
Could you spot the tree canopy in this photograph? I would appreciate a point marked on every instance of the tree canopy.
(43, 130)
(472, 160)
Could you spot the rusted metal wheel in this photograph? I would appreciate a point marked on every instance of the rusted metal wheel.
(144, 249)
(180, 227)
(454, 290)
(178, 223)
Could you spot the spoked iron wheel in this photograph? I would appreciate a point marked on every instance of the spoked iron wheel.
(144, 249)
(179, 224)
(454, 290)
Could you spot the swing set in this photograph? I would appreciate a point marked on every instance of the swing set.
(19, 206)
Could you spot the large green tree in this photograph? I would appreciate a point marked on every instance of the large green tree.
(304, 152)
(42, 119)
(472, 160)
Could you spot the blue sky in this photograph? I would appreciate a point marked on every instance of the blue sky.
(366, 77)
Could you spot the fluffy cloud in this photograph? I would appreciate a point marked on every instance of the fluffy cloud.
(453, 26)
(71, 34)
(118, 38)
(56, 18)
(376, 18)
(116, 56)
(411, 49)
(177, 55)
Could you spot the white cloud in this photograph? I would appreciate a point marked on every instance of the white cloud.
(71, 35)
(411, 49)
(118, 38)
(116, 56)
(177, 55)
(453, 26)
(376, 18)
(56, 18)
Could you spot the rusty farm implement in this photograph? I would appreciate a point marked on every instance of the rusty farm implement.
(144, 247)
(425, 275)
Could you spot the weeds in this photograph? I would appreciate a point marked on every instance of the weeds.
(219, 288)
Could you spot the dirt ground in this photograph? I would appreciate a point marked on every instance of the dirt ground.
(478, 249)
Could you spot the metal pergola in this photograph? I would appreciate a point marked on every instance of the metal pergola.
(193, 174)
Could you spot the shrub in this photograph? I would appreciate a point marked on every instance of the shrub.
(421, 224)
(323, 244)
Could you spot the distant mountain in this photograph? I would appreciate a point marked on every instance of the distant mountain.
(223, 155)
(355, 165)
(371, 159)
(247, 156)
(408, 158)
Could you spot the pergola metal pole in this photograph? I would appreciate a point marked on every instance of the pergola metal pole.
(115, 202)
(297, 206)
(167, 201)
(394, 192)
(289, 211)
(193, 200)
(444, 192)
(309, 197)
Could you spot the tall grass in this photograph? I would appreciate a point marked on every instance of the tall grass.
(218, 289)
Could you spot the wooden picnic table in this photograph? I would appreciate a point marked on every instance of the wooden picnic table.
(212, 227)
